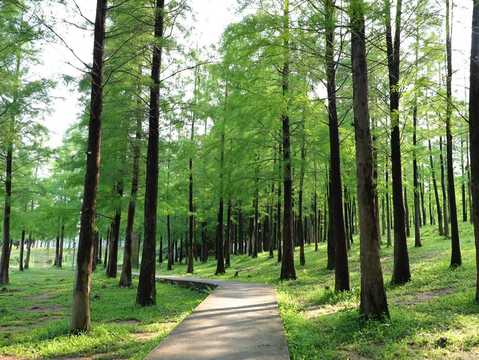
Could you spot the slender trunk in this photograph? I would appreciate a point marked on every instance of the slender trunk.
(436, 193)
(22, 246)
(463, 184)
(288, 271)
(81, 318)
(373, 296)
(220, 262)
(401, 271)
(125, 277)
(26, 266)
(301, 235)
(444, 191)
(146, 294)
(455, 243)
(474, 133)
(228, 234)
(112, 266)
(417, 229)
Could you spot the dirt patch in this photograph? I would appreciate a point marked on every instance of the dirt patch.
(45, 308)
(425, 296)
(351, 355)
(126, 322)
(316, 311)
(144, 337)
(463, 355)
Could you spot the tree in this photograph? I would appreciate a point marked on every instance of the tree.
(337, 223)
(373, 296)
(288, 271)
(146, 294)
(81, 318)
(474, 131)
(455, 244)
(401, 271)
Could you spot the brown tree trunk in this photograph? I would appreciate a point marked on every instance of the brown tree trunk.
(436, 193)
(417, 229)
(336, 187)
(112, 266)
(474, 132)
(288, 271)
(455, 244)
(373, 296)
(22, 246)
(26, 266)
(146, 294)
(401, 271)
(81, 320)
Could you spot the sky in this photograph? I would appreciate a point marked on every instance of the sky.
(211, 19)
(56, 60)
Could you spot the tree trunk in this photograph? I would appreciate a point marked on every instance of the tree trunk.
(220, 261)
(125, 277)
(474, 133)
(81, 320)
(463, 184)
(455, 244)
(146, 295)
(336, 187)
(288, 271)
(401, 271)
(444, 191)
(112, 266)
(417, 229)
(373, 296)
(436, 193)
(26, 266)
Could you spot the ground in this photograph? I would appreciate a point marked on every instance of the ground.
(35, 310)
(434, 316)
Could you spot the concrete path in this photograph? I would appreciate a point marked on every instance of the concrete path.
(238, 321)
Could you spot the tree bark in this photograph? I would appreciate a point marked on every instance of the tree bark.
(125, 277)
(112, 265)
(288, 271)
(436, 193)
(81, 319)
(455, 244)
(474, 132)
(401, 271)
(373, 296)
(146, 294)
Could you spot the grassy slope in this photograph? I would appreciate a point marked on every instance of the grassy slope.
(433, 316)
(35, 309)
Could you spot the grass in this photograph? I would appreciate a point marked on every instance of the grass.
(35, 312)
(433, 316)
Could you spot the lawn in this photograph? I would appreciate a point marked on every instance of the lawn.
(433, 316)
(35, 311)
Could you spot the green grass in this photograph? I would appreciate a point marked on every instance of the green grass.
(35, 311)
(432, 317)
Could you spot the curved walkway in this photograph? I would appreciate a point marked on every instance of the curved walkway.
(238, 321)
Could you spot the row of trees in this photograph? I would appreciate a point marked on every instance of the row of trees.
(254, 152)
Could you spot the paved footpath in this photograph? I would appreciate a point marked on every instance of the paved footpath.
(238, 321)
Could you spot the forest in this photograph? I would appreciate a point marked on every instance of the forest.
(304, 187)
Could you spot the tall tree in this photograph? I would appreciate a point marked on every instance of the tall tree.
(474, 131)
(455, 244)
(335, 193)
(373, 296)
(81, 318)
(401, 271)
(146, 294)
(288, 272)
